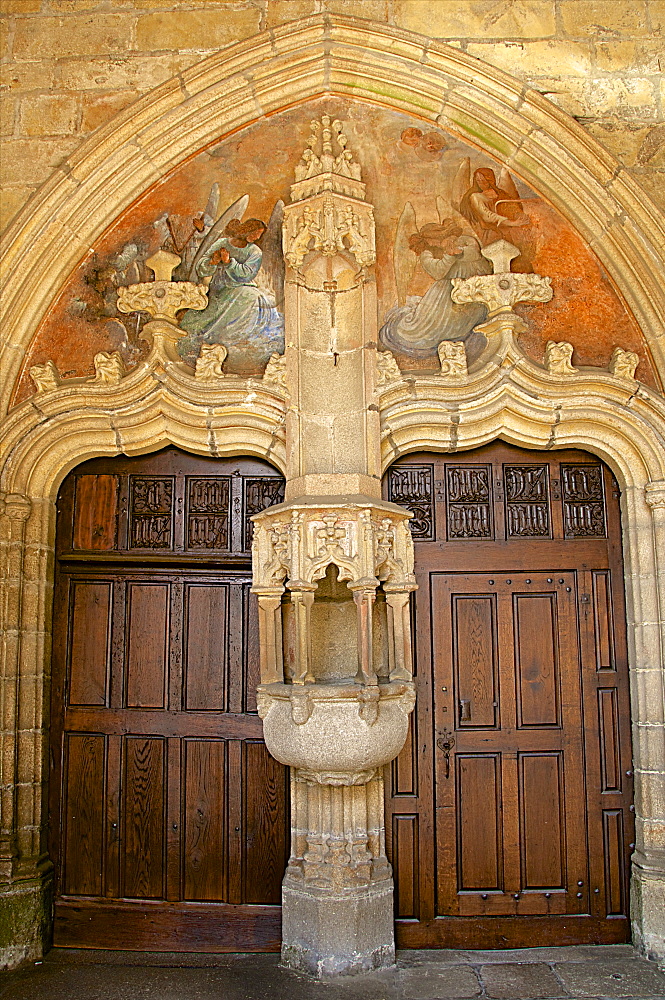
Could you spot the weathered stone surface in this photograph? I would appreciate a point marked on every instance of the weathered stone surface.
(454, 982)
(11, 201)
(30, 161)
(48, 114)
(596, 17)
(533, 59)
(523, 981)
(280, 11)
(196, 29)
(470, 18)
(614, 978)
(58, 37)
(19, 6)
(98, 110)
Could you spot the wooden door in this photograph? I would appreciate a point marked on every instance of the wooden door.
(509, 817)
(169, 821)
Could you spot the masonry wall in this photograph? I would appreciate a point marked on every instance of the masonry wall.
(68, 66)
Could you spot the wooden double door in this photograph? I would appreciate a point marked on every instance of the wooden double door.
(508, 812)
(509, 816)
(169, 819)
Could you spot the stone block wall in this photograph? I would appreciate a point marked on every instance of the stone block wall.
(68, 66)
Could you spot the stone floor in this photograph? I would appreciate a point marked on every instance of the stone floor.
(610, 972)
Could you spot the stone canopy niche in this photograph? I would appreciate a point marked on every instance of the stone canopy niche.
(333, 570)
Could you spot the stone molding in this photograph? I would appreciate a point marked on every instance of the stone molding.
(307, 58)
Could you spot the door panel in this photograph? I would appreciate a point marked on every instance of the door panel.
(511, 808)
(169, 818)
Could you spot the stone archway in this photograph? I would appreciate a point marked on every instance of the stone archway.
(43, 439)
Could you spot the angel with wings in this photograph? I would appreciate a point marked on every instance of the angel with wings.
(241, 262)
(492, 207)
(417, 325)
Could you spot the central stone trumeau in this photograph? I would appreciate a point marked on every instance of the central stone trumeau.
(333, 571)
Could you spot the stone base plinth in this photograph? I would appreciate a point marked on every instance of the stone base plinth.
(647, 908)
(326, 934)
(26, 919)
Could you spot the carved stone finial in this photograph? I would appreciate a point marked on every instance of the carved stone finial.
(326, 163)
(558, 358)
(109, 368)
(210, 361)
(387, 368)
(452, 355)
(623, 363)
(163, 264)
(503, 289)
(276, 370)
(45, 377)
(500, 255)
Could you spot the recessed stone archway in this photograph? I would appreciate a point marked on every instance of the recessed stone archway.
(49, 434)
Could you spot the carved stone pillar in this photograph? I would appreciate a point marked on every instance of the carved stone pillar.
(648, 861)
(333, 570)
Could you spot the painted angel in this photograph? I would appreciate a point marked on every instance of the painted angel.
(417, 325)
(242, 264)
(492, 207)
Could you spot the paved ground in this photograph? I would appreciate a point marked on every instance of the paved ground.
(611, 973)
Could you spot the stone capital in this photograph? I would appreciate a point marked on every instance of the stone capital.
(654, 494)
(15, 506)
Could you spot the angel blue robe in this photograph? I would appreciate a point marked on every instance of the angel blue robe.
(418, 327)
(239, 314)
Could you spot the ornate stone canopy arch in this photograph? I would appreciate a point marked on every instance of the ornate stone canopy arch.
(509, 396)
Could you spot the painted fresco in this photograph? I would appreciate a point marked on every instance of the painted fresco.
(438, 202)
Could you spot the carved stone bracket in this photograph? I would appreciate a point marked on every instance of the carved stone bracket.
(387, 369)
(558, 358)
(504, 288)
(623, 364)
(452, 357)
(276, 370)
(209, 364)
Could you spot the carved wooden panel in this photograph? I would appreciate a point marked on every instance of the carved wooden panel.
(96, 522)
(610, 751)
(475, 659)
(413, 487)
(527, 500)
(603, 620)
(208, 512)
(542, 821)
(151, 512)
(148, 640)
(404, 837)
(613, 855)
(143, 810)
(468, 501)
(204, 851)
(259, 494)
(206, 662)
(404, 769)
(89, 655)
(479, 839)
(583, 501)
(536, 660)
(84, 814)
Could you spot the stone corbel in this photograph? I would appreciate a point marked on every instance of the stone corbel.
(623, 364)
(387, 369)
(275, 372)
(109, 368)
(45, 377)
(209, 364)
(654, 494)
(558, 357)
(452, 359)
